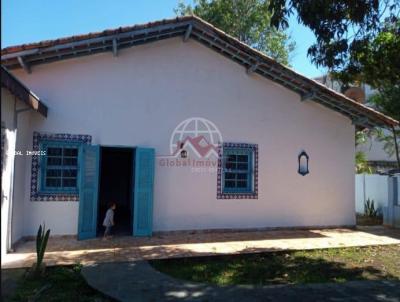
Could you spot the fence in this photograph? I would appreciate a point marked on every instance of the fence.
(374, 187)
(385, 191)
(392, 213)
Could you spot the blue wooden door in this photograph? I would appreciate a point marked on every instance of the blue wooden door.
(88, 191)
(143, 192)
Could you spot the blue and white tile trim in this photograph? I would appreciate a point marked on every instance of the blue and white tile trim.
(251, 195)
(37, 138)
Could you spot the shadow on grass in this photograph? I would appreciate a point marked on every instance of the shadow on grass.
(61, 283)
(267, 269)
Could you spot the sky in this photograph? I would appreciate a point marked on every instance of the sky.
(25, 21)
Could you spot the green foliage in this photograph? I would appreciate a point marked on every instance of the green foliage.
(58, 284)
(362, 164)
(343, 28)
(368, 135)
(247, 20)
(41, 243)
(369, 208)
(388, 143)
(376, 61)
(387, 100)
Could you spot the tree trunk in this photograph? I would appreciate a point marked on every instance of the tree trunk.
(396, 147)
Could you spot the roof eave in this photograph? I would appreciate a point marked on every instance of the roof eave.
(21, 92)
(208, 35)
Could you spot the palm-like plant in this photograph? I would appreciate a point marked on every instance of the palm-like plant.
(362, 164)
(369, 208)
(42, 238)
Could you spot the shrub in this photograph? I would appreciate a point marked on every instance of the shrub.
(42, 238)
(369, 208)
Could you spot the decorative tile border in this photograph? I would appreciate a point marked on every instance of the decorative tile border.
(37, 138)
(220, 193)
(3, 146)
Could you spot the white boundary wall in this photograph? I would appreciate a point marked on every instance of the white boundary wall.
(373, 187)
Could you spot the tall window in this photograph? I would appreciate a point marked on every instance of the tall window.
(238, 171)
(59, 167)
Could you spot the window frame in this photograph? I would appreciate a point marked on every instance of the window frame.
(251, 191)
(43, 188)
(249, 171)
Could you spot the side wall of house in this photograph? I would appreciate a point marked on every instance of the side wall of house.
(139, 97)
(14, 167)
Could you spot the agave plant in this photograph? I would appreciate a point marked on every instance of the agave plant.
(369, 208)
(41, 243)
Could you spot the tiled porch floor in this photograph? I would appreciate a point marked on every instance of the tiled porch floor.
(67, 250)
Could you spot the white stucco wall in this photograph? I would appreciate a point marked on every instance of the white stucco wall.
(140, 96)
(7, 118)
(14, 168)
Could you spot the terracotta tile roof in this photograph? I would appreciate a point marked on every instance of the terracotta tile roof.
(104, 33)
(20, 91)
(205, 33)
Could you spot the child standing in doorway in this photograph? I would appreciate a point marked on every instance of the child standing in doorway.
(108, 222)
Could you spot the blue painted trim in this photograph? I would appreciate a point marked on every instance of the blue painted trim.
(43, 167)
(251, 192)
(248, 171)
(143, 203)
(87, 234)
(35, 193)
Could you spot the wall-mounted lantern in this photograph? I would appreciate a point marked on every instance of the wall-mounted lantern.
(303, 163)
(183, 154)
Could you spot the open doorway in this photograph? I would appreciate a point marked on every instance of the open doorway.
(116, 185)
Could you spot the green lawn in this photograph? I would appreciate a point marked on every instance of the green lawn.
(327, 265)
(59, 284)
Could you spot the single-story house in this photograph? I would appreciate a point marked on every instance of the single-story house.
(180, 124)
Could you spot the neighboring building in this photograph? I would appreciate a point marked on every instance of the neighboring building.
(378, 159)
(122, 102)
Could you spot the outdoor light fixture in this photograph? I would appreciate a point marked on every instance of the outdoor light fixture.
(303, 163)
(183, 154)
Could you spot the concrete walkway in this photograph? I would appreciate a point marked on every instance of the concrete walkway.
(68, 250)
(138, 281)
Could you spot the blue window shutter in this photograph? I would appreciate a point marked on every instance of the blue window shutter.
(143, 192)
(89, 158)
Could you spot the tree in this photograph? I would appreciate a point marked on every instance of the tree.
(376, 61)
(247, 20)
(362, 164)
(358, 41)
(387, 100)
(342, 27)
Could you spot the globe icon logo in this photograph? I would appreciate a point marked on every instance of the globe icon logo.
(196, 136)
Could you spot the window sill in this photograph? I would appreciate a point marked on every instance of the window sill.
(237, 195)
(55, 196)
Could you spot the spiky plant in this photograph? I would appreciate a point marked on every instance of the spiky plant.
(41, 243)
(369, 208)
